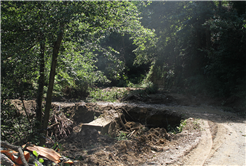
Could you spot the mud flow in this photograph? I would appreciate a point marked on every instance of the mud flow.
(118, 134)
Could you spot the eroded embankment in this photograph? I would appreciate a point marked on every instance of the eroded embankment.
(128, 134)
(139, 134)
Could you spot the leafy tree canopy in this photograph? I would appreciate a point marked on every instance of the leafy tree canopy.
(60, 40)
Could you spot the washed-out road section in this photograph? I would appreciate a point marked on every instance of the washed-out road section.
(222, 140)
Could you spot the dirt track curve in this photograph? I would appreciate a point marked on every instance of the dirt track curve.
(223, 139)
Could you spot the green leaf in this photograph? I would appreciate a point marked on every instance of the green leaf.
(41, 160)
(35, 153)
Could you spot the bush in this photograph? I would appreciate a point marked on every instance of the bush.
(151, 88)
(15, 126)
(110, 95)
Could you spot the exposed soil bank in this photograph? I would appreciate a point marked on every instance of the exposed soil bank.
(140, 134)
(220, 138)
(142, 139)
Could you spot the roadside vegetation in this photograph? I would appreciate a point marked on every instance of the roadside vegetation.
(107, 51)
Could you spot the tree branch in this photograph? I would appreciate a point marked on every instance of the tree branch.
(16, 148)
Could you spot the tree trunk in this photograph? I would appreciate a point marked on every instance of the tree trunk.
(208, 37)
(40, 86)
(56, 48)
(220, 5)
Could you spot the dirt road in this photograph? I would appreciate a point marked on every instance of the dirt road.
(223, 140)
(232, 150)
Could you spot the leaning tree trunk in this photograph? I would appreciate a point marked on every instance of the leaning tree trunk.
(40, 86)
(56, 48)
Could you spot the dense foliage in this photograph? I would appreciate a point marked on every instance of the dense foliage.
(55, 44)
(63, 49)
(200, 47)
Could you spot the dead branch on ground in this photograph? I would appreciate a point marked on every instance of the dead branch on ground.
(16, 148)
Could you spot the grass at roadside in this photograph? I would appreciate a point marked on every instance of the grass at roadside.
(115, 94)
(109, 94)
